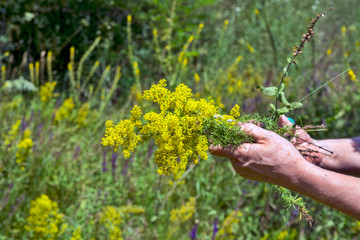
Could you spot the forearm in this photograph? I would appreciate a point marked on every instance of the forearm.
(344, 156)
(333, 189)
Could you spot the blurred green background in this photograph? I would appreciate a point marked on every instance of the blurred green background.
(102, 55)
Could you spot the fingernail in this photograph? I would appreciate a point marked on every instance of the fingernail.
(291, 120)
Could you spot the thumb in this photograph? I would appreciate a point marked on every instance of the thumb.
(259, 135)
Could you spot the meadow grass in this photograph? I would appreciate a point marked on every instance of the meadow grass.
(53, 165)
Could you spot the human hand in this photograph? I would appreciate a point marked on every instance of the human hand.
(308, 147)
(270, 159)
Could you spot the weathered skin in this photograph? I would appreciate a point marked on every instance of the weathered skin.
(320, 176)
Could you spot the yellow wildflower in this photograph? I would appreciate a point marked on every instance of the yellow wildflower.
(24, 149)
(228, 228)
(72, 54)
(11, 135)
(256, 11)
(226, 23)
(46, 92)
(219, 102)
(82, 114)
(197, 77)
(155, 33)
(251, 49)
(181, 215)
(352, 75)
(238, 59)
(201, 25)
(131, 209)
(129, 18)
(3, 73)
(14, 104)
(180, 58)
(235, 111)
(175, 129)
(356, 227)
(112, 218)
(44, 219)
(32, 73)
(329, 51)
(136, 68)
(76, 235)
(343, 31)
(176, 176)
(123, 133)
(190, 39)
(285, 234)
(65, 110)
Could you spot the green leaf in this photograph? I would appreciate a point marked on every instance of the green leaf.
(272, 106)
(283, 110)
(270, 91)
(283, 100)
(296, 105)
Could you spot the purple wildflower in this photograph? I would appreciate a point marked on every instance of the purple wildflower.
(294, 214)
(39, 128)
(216, 229)
(76, 153)
(23, 124)
(31, 116)
(113, 163)
(104, 168)
(193, 232)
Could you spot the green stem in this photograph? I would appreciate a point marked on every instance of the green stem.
(324, 85)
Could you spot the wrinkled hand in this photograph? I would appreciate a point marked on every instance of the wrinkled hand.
(270, 159)
(302, 141)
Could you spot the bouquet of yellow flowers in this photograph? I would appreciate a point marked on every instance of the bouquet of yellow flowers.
(181, 130)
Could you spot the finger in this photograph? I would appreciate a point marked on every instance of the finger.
(233, 153)
(255, 131)
(284, 121)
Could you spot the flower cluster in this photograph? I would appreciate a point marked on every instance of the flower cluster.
(181, 215)
(228, 228)
(45, 221)
(176, 177)
(352, 75)
(176, 129)
(46, 92)
(65, 110)
(123, 134)
(24, 149)
(82, 114)
(11, 135)
(184, 213)
(76, 235)
(113, 217)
